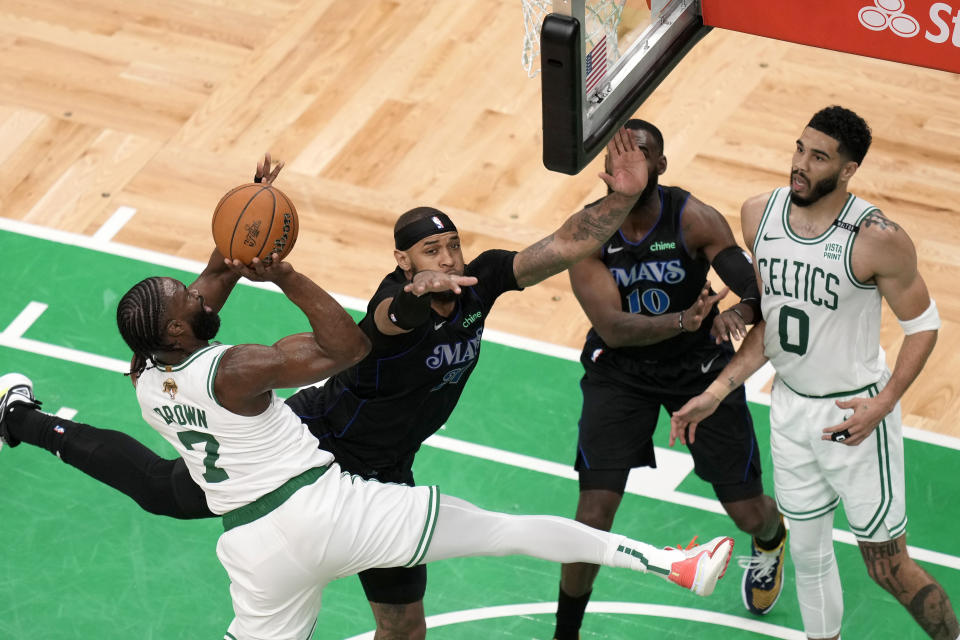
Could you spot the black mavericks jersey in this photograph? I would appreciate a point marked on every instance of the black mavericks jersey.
(656, 276)
(375, 415)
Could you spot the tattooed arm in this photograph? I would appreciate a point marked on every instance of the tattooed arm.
(745, 362)
(584, 232)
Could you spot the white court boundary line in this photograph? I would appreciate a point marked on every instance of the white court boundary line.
(631, 608)
(12, 336)
(102, 243)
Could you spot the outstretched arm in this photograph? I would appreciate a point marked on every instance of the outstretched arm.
(583, 232)
(248, 372)
(410, 307)
(745, 362)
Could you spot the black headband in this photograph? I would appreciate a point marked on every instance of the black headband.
(409, 235)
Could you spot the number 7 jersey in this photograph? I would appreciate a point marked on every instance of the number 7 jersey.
(235, 459)
(823, 325)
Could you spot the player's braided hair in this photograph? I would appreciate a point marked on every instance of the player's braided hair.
(847, 128)
(140, 320)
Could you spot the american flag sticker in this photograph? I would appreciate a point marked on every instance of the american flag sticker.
(437, 222)
(596, 64)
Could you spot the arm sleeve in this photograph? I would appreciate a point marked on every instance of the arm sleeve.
(735, 268)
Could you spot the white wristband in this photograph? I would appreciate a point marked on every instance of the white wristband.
(929, 320)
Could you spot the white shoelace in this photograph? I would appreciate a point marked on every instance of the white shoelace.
(762, 565)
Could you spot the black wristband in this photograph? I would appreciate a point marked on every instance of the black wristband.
(734, 267)
(409, 311)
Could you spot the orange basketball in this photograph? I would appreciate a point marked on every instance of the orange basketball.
(254, 221)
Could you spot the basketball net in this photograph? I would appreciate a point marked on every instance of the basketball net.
(602, 16)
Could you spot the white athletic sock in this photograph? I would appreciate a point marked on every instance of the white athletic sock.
(466, 530)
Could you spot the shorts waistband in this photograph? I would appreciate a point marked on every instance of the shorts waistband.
(270, 501)
(838, 394)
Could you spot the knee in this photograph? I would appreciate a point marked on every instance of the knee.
(751, 522)
(753, 517)
(400, 622)
(598, 511)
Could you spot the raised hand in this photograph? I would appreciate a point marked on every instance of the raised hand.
(267, 172)
(628, 165)
(692, 317)
(258, 270)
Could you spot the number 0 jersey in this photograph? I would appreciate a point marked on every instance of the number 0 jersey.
(823, 325)
(235, 459)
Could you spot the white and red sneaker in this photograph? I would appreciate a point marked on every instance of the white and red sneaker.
(703, 565)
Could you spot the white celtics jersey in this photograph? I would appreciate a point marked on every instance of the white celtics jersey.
(235, 459)
(823, 325)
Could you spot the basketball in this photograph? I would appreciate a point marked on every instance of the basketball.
(253, 221)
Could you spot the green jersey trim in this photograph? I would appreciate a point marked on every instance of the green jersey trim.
(270, 501)
(193, 356)
(848, 258)
(764, 217)
(823, 236)
(212, 377)
(429, 527)
(886, 482)
(838, 394)
(898, 529)
(812, 513)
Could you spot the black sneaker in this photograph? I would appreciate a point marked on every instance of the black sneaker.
(763, 577)
(15, 388)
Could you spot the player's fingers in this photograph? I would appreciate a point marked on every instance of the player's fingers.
(847, 404)
(618, 141)
(607, 178)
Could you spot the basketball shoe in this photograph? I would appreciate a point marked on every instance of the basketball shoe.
(15, 389)
(702, 565)
(763, 577)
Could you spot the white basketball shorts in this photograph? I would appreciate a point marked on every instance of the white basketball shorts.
(337, 526)
(812, 476)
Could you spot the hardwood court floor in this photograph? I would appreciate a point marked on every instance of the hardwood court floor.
(378, 106)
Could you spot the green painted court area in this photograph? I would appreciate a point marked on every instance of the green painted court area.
(81, 561)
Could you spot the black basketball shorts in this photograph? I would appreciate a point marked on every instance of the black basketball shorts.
(621, 406)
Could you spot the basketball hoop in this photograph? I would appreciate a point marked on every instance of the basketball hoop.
(602, 17)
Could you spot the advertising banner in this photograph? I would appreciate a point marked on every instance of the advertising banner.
(919, 32)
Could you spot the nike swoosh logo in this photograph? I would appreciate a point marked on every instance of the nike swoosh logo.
(439, 324)
(614, 249)
(767, 238)
(704, 367)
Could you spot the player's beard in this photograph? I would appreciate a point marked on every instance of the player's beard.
(820, 189)
(205, 324)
